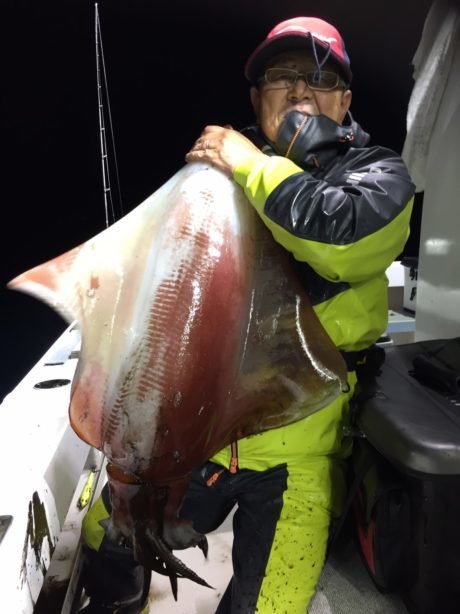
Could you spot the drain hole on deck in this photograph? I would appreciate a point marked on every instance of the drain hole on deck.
(52, 383)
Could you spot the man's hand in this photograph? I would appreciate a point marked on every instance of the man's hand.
(224, 148)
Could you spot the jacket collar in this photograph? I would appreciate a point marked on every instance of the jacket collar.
(311, 142)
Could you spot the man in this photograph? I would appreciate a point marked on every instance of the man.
(342, 210)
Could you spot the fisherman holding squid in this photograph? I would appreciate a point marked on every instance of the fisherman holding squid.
(341, 208)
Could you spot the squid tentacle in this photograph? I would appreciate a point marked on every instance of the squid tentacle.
(151, 550)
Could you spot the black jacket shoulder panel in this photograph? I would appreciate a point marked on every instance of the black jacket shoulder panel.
(358, 193)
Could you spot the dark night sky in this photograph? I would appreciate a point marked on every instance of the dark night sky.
(173, 66)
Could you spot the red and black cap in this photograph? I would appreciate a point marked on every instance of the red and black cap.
(298, 33)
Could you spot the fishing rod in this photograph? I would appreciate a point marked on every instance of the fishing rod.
(100, 67)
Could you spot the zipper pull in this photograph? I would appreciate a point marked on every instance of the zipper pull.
(234, 460)
(215, 476)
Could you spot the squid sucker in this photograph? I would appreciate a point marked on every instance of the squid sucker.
(195, 332)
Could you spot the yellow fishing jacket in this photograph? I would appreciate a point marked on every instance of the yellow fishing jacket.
(344, 216)
(344, 224)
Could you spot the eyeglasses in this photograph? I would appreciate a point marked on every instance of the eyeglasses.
(322, 80)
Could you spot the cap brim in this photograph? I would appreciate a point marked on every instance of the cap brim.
(258, 60)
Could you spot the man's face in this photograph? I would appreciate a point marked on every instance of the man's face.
(272, 105)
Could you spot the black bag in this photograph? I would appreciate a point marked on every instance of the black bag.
(437, 365)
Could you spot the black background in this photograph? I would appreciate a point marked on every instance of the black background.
(173, 66)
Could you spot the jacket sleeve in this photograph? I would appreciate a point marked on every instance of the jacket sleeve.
(348, 226)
